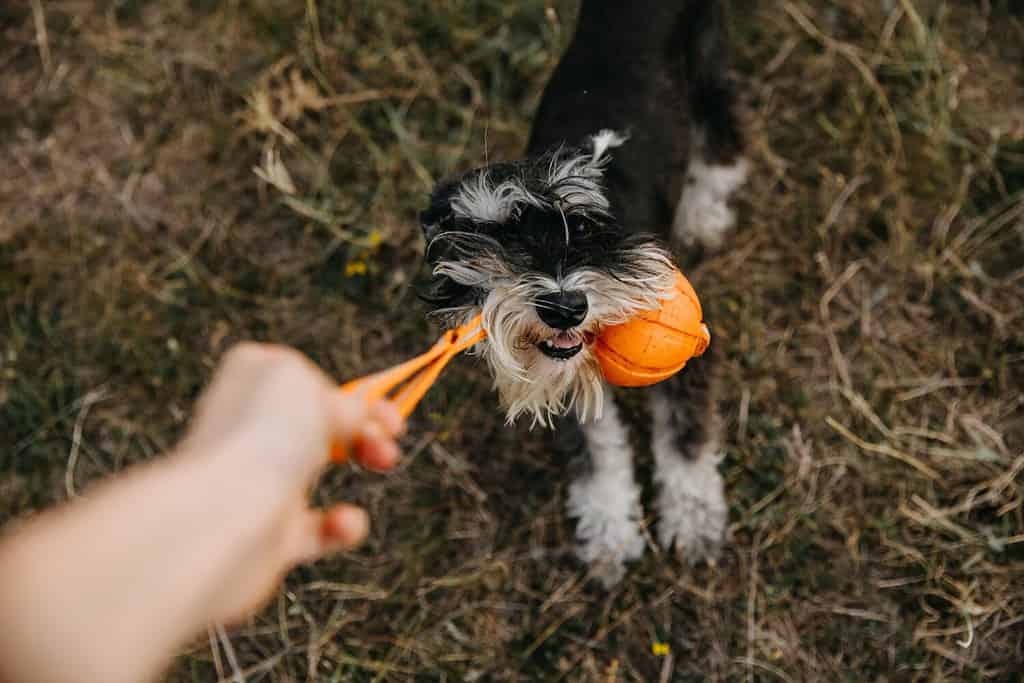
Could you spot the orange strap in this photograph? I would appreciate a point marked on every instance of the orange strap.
(414, 377)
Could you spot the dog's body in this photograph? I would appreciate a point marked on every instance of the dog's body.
(635, 143)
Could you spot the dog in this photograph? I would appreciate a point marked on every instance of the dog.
(635, 146)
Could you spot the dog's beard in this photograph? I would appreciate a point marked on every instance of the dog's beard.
(529, 382)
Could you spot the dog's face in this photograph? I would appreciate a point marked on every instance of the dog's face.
(533, 247)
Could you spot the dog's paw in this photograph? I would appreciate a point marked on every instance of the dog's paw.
(692, 510)
(608, 527)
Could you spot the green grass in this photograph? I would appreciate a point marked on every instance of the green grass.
(868, 309)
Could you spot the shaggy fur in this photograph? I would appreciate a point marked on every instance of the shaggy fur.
(635, 145)
(503, 237)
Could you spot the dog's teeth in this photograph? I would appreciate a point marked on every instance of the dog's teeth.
(557, 348)
(564, 341)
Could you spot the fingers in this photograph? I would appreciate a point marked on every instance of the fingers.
(367, 431)
(324, 532)
(387, 415)
(374, 450)
(376, 447)
(348, 412)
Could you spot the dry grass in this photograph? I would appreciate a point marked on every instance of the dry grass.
(870, 310)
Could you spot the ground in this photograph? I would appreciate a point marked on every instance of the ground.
(869, 311)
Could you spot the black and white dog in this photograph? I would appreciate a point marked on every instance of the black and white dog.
(635, 145)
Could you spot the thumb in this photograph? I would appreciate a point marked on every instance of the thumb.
(342, 527)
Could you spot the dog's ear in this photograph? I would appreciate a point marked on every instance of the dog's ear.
(439, 215)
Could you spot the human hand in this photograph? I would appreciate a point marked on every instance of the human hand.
(121, 577)
(272, 416)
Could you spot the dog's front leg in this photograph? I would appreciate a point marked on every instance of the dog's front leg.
(606, 500)
(686, 442)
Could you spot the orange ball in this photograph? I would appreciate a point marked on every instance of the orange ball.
(656, 344)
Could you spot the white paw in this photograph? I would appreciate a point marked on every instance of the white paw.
(608, 528)
(692, 509)
(703, 214)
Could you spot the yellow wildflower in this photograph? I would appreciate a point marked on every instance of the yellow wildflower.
(355, 268)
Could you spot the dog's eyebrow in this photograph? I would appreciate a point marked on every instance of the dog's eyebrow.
(565, 222)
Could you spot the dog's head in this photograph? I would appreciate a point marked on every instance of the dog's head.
(534, 247)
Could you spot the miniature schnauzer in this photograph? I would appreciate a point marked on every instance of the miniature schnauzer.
(635, 145)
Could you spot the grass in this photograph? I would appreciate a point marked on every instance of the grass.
(869, 308)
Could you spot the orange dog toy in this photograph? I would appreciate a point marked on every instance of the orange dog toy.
(654, 345)
(649, 348)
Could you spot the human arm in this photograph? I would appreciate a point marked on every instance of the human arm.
(108, 587)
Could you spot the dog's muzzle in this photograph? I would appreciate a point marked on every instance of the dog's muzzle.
(562, 311)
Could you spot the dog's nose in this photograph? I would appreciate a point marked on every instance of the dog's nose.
(562, 310)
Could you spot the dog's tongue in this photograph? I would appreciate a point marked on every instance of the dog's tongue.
(564, 340)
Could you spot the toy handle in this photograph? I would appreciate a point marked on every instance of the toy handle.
(417, 374)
